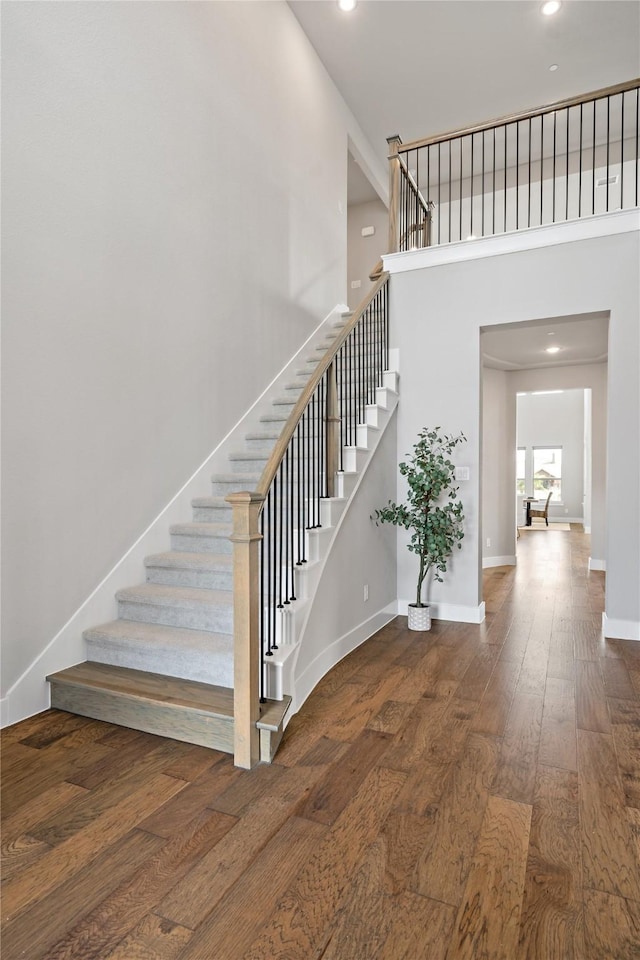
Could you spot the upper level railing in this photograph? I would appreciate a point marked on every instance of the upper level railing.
(271, 524)
(570, 159)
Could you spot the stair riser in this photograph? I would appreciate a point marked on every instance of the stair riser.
(248, 466)
(212, 515)
(182, 544)
(222, 488)
(261, 444)
(204, 579)
(218, 618)
(212, 668)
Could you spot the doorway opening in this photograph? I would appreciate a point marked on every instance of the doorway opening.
(544, 426)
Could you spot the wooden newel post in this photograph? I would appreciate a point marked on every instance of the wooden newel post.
(394, 193)
(246, 538)
(332, 433)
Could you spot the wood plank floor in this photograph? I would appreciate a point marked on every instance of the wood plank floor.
(473, 792)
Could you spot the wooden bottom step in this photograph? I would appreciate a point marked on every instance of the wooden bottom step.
(167, 706)
(184, 710)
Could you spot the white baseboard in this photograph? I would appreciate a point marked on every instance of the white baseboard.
(334, 653)
(455, 612)
(595, 564)
(498, 562)
(620, 629)
(30, 692)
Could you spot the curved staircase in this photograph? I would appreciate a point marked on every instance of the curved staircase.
(165, 665)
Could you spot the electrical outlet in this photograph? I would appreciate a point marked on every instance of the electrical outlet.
(366, 591)
(488, 541)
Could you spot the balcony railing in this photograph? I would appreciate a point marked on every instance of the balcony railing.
(271, 524)
(565, 161)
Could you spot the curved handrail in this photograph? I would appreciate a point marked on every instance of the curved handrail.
(278, 452)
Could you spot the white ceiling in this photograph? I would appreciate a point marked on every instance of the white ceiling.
(581, 339)
(423, 67)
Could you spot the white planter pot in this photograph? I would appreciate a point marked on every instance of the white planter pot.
(419, 617)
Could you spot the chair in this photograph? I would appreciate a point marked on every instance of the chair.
(543, 513)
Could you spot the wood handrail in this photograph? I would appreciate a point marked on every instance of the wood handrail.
(515, 117)
(279, 450)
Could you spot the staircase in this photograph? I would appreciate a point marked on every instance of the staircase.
(165, 666)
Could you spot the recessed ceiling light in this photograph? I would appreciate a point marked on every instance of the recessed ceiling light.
(553, 67)
(347, 5)
(551, 7)
(552, 349)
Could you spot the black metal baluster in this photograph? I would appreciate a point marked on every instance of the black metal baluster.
(482, 188)
(622, 151)
(292, 473)
(471, 192)
(529, 180)
(637, 134)
(608, 145)
(285, 530)
(461, 142)
(298, 499)
(541, 166)
(280, 537)
(493, 186)
(449, 196)
(580, 170)
(553, 212)
(593, 163)
(517, 173)
(506, 128)
(261, 608)
(566, 213)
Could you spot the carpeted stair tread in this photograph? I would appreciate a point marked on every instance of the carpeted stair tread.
(190, 561)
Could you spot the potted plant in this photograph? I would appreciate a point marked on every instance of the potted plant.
(432, 512)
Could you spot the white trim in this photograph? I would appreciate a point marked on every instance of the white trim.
(307, 681)
(595, 564)
(498, 562)
(620, 629)
(456, 612)
(30, 693)
(549, 235)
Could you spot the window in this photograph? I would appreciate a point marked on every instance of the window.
(520, 470)
(547, 473)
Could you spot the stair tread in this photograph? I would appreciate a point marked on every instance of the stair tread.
(164, 595)
(214, 502)
(171, 691)
(256, 455)
(190, 561)
(160, 635)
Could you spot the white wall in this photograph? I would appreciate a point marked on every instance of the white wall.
(498, 452)
(438, 313)
(556, 420)
(362, 553)
(174, 213)
(363, 253)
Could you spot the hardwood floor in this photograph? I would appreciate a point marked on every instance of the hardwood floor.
(473, 792)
